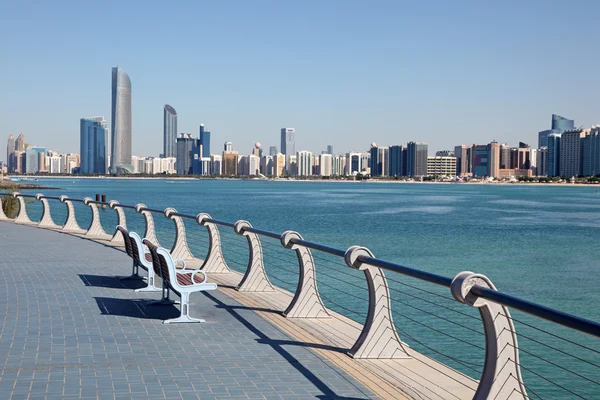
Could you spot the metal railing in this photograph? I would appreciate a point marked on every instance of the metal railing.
(501, 374)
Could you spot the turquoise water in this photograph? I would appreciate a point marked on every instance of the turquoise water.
(535, 242)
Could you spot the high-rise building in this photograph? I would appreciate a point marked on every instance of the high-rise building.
(169, 131)
(486, 160)
(228, 146)
(185, 154)
(553, 155)
(494, 164)
(32, 163)
(463, 160)
(396, 161)
(272, 150)
(216, 164)
(93, 143)
(374, 163)
(266, 165)
(339, 165)
(230, 162)
(257, 150)
(253, 165)
(288, 143)
(441, 165)
(591, 152)
(330, 149)
(243, 167)
(325, 164)
(505, 156)
(10, 148)
(570, 152)
(559, 125)
(444, 153)
(120, 156)
(353, 166)
(542, 162)
(205, 141)
(20, 143)
(278, 164)
(304, 162)
(416, 159)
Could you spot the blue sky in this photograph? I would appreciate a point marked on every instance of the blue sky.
(344, 73)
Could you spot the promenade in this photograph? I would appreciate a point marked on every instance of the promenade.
(71, 329)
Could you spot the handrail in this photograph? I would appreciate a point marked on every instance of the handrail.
(27, 195)
(50, 197)
(550, 314)
(319, 247)
(152, 210)
(261, 232)
(124, 206)
(103, 203)
(176, 214)
(222, 223)
(415, 273)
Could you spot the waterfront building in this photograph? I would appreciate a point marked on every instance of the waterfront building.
(570, 152)
(486, 160)
(505, 156)
(33, 158)
(205, 166)
(205, 141)
(353, 166)
(216, 164)
(558, 126)
(230, 162)
(288, 144)
(272, 150)
(304, 162)
(291, 168)
(325, 165)
(266, 165)
(69, 162)
(278, 164)
(339, 165)
(228, 146)
(524, 158)
(53, 164)
(542, 162)
(257, 150)
(93, 143)
(253, 165)
(20, 143)
(330, 149)
(197, 158)
(444, 153)
(374, 162)
(416, 159)
(120, 156)
(441, 165)
(185, 154)
(243, 168)
(169, 131)
(10, 148)
(463, 160)
(396, 161)
(591, 152)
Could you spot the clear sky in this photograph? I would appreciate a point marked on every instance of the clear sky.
(344, 73)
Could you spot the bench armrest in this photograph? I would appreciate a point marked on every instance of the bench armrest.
(180, 260)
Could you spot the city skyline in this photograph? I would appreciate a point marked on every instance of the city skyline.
(441, 77)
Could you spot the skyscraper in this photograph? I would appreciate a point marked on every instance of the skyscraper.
(20, 143)
(463, 160)
(570, 152)
(93, 143)
(288, 143)
(228, 146)
(559, 125)
(553, 161)
(33, 159)
(205, 141)
(591, 153)
(169, 131)
(329, 149)
(10, 148)
(120, 157)
(272, 150)
(395, 155)
(374, 162)
(185, 154)
(304, 160)
(416, 159)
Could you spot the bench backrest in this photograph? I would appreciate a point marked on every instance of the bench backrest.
(126, 240)
(156, 261)
(136, 246)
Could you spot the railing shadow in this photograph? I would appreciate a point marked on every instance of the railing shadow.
(111, 282)
(134, 308)
(328, 393)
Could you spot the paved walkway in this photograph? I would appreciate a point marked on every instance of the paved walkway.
(70, 329)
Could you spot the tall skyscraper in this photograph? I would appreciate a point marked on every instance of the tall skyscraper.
(205, 141)
(416, 159)
(570, 152)
(20, 143)
(33, 159)
(93, 143)
(304, 160)
(553, 155)
(374, 162)
(120, 156)
(185, 154)
(395, 155)
(272, 150)
(463, 160)
(169, 131)
(228, 146)
(591, 152)
(559, 125)
(10, 148)
(288, 143)
(329, 149)
(230, 163)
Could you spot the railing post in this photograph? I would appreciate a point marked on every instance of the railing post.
(22, 217)
(95, 230)
(307, 302)
(3, 216)
(378, 338)
(46, 221)
(180, 247)
(255, 279)
(117, 236)
(71, 224)
(501, 377)
(150, 233)
(214, 263)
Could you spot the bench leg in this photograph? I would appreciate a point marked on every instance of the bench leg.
(151, 285)
(134, 274)
(164, 301)
(185, 312)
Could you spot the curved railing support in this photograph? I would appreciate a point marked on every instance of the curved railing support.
(378, 338)
(180, 247)
(46, 221)
(150, 233)
(214, 263)
(255, 279)
(3, 216)
(501, 377)
(71, 224)
(122, 221)
(307, 302)
(95, 230)
(22, 217)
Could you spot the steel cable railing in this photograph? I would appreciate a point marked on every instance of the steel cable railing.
(551, 358)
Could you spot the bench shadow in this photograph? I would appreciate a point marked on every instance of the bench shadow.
(111, 282)
(135, 308)
(277, 345)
